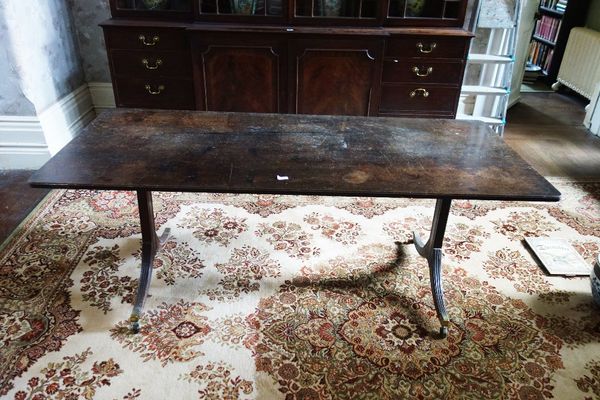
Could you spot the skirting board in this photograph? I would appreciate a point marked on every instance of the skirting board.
(28, 142)
(63, 120)
(592, 114)
(22, 143)
(102, 94)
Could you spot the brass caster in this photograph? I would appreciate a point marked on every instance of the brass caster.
(135, 324)
(444, 332)
(135, 327)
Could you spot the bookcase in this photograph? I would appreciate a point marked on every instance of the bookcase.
(333, 57)
(554, 21)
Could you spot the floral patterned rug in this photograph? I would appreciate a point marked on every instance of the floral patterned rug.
(267, 297)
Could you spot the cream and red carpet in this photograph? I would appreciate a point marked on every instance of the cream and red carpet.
(267, 297)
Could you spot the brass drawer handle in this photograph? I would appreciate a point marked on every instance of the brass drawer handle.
(422, 91)
(154, 41)
(157, 64)
(155, 92)
(418, 72)
(432, 46)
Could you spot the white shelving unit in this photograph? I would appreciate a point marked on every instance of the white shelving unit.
(498, 22)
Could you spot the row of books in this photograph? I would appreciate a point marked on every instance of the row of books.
(559, 5)
(531, 77)
(540, 55)
(548, 28)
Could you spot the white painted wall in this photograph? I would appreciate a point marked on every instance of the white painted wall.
(528, 10)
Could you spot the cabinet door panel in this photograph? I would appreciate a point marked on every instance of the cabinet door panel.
(243, 78)
(337, 78)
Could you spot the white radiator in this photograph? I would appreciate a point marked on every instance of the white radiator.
(580, 66)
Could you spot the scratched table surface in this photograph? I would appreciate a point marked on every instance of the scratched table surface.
(130, 149)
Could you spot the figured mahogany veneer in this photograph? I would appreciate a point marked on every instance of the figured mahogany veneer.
(336, 77)
(239, 72)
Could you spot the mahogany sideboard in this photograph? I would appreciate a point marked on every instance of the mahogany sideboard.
(335, 57)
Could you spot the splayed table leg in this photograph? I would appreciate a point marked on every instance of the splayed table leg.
(150, 245)
(432, 251)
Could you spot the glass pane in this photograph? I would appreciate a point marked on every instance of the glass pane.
(155, 5)
(337, 8)
(418, 8)
(242, 7)
(369, 9)
(452, 9)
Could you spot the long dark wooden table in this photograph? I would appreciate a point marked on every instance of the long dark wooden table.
(145, 151)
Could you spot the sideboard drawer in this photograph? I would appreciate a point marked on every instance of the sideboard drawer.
(422, 71)
(146, 38)
(151, 63)
(155, 93)
(427, 46)
(419, 99)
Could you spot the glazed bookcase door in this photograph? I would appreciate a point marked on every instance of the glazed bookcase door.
(243, 10)
(163, 9)
(349, 12)
(426, 12)
(430, 13)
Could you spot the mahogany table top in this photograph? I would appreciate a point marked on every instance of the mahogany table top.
(131, 149)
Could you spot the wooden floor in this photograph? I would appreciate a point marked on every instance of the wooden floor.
(544, 128)
(17, 200)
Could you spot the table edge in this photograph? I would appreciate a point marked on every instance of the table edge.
(551, 197)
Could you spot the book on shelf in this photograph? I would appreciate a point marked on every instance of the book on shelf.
(548, 60)
(561, 5)
(540, 55)
(531, 73)
(547, 28)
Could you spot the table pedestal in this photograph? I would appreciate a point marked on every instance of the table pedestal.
(150, 245)
(432, 251)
